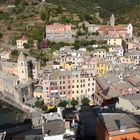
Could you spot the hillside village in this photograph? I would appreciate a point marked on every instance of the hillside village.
(89, 72)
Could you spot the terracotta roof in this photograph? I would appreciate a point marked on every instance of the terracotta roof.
(23, 38)
(111, 28)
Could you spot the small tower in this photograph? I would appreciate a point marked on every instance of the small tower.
(22, 67)
(112, 20)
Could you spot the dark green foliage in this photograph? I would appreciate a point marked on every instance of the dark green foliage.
(44, 107)
(39, 103)
(86, 6)
(14, 55)
(4, 16)
(36, 33)
(85, 101)
(74, 102)
(63, 104)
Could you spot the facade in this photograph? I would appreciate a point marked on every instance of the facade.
(100, 53)
(65, 85)
(114, 41)
(20, 42)
(117, 126)
(103, 67)
(134, 55)
(118, 50)
(119, 31)
(59, 32)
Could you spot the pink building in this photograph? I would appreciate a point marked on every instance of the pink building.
(123, 31)
(58, 32)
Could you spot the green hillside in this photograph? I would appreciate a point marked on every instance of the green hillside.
(106, 7)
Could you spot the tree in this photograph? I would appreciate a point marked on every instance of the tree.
(39, 103)
(85, 101)
(26, 45)
(74, 102)
(14, 55)
(63, 104)
(44, 107)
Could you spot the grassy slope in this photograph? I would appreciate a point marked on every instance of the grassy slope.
(84, 6)
(125, 10)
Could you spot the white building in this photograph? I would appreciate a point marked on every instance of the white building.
(118, 50)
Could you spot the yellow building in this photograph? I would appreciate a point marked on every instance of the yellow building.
(66, 65)
(103, 68)
(114, 41)
(75, 85)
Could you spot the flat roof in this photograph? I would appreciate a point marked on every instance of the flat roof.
(113, 122)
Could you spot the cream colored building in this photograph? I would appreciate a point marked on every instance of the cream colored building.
(114, 41)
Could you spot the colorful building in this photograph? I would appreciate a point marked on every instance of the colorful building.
(65, 85)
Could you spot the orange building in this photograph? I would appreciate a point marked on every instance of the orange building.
(117, 126)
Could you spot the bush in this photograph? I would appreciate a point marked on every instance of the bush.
(85, 101)
(74, 102)
(63, 104)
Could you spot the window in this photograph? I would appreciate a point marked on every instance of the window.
(46, 88)
(69, 86)
(60, 87)
(73, 86)
(63, 77)
(60, 82)
(68, 92)
(69, 81)
(88, 89)
(77, 86)
(77, 91)
(63, 87)
(68, 77)
(93, 84)
(64, 92)
(81, 81)
(88, 84)
(63, 82)
(77, 81)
